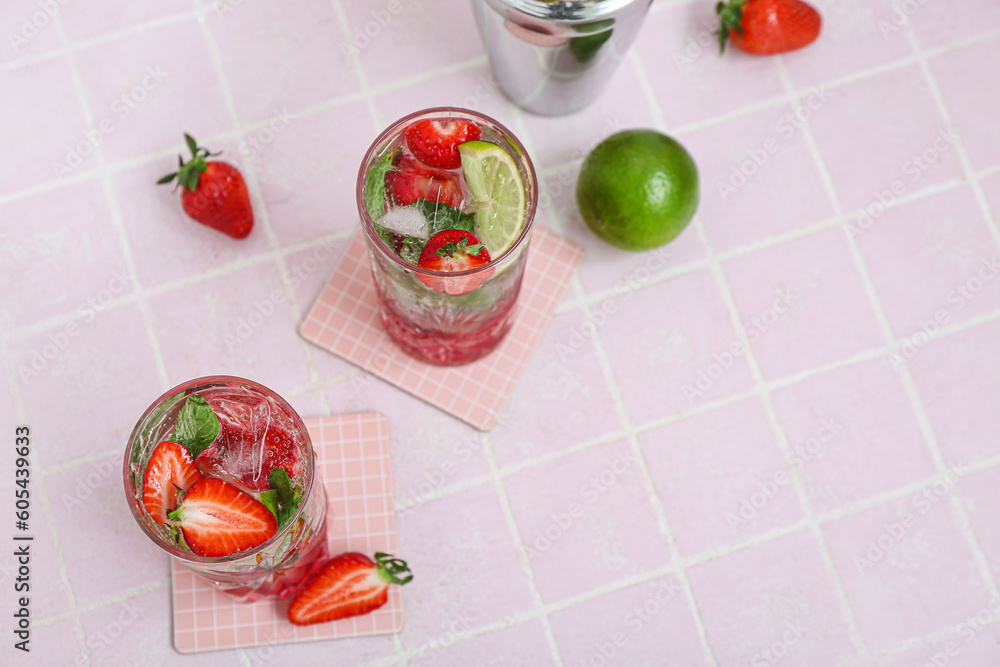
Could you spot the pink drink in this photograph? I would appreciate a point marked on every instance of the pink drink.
(258, 433)
(440, 318)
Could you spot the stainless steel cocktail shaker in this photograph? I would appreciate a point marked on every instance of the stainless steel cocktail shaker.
(554, 57)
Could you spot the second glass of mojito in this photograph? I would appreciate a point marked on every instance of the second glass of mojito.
(447, 197)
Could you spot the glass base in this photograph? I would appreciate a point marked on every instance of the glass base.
(442, 349)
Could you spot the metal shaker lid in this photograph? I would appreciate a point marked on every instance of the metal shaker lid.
(567, 10)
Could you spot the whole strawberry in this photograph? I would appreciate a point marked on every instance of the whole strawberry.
(214, 193)
(763, 27)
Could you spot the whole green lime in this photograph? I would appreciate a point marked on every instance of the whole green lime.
(638, 189)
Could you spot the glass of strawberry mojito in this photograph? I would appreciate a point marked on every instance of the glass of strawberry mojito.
(220, 473)
(447, 197)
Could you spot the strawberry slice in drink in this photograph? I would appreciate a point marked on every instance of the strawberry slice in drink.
(410, 181)
(169, 473)
(217, 519)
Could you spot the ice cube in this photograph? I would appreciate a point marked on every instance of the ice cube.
(406, 221)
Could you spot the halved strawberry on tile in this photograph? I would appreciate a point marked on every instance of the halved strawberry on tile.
(348, 585)
(217, 519)
(169, 473)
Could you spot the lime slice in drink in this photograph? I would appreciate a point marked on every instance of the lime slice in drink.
(497, 193)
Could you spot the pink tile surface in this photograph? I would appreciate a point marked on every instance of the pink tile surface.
(648, 623)
(721, 477)
(772, 601)
(906, 567)
(933, 262)
(354, 464)
(345, 321)
(848, 445)
(277, 59)
(589, 508)
(959, 411)
(685, 355)
(280, 92)
(793, 298)
(914, 151)
(966, 102)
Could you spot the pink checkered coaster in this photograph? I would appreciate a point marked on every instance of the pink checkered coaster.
(353, 456)
(345, 321)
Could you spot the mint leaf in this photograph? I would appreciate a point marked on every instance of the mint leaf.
(281, 484)
(375, 185)
(288, 511)
(410, 249)
(269, 499)
(197, 425)
(441, 217)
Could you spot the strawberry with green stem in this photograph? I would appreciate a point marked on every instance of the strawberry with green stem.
(764, 27)
(214, 193)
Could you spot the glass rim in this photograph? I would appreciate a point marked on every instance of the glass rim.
(369, 226)
(143, 518)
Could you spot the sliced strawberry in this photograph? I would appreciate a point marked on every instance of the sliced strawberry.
(454, 250)
(348, 585)
(411, 181)
(217, 519)
(169, 473)
(434, 141)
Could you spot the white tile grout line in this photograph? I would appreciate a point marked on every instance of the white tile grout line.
(261, 213)
(103, 172)
(962, 515)
(629, 434)
(522, 553)
(902, 368)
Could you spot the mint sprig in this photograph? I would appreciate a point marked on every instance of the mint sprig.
(197, 425)
(282, 499)
(441, 217)
(375, 184)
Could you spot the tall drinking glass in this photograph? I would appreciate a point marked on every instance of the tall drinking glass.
(249, 414)
(445, 318)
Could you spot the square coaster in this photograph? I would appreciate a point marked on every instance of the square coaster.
(353, 456)
(345, 321)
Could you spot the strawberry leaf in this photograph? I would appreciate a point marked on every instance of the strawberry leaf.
(167, 178)
(191, 144)
(197, 425)
(393, 570)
